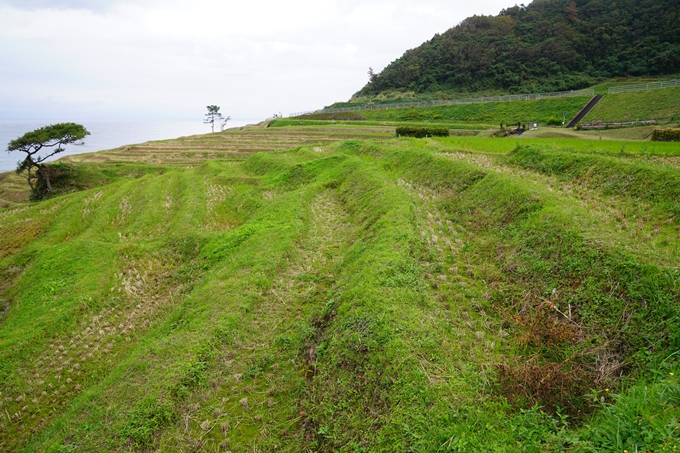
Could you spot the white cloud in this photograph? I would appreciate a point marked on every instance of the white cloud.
(94, 5)
(171, 58)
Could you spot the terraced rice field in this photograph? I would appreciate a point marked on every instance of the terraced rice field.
(230, 144)
(347, 294)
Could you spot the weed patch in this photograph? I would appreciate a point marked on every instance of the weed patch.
(148, 418)
(555, 387)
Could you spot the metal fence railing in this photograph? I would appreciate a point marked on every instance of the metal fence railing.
(645, 86)
(293, 115)
(480, 100)
(660, 121)
(619, 124)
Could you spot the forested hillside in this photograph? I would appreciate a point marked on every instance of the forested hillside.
(550, 45)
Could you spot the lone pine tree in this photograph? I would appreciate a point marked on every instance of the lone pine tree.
(51, 138)
(212, 116)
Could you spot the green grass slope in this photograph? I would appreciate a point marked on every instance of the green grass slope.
(489, 113)
(434, 295)
(663, 104)
(642, 105)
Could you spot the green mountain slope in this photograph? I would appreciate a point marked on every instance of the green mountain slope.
(369, 295)
(549, 45)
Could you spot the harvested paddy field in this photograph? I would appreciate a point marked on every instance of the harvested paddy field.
(230, 144)
(319, 289)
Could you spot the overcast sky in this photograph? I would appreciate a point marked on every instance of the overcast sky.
(171, 58)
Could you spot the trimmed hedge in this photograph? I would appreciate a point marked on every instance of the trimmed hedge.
(666, 135)
(422, 132)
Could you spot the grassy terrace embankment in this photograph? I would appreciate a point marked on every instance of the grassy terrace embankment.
(641, 105)
(330, 124)
(357, 295)
(488, 113)
(232, 144)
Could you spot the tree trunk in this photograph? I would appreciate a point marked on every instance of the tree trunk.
(29, 178)
(44, 177)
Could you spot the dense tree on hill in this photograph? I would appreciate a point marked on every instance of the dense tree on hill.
(547, 46)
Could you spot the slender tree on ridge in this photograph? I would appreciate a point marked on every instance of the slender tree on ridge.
(212, 116)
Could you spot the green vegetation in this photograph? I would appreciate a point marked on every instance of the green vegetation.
(646, 150)
(343, 116)
(333, 288)
(642, 105)
(376, 126)
(422, 132)
(399, 96)
(624, 107)
(550, 45)
(38, 146)
(666, 135)
(489, 113)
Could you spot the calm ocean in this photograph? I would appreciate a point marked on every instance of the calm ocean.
(106, 134)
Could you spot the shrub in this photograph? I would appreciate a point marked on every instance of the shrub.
(553, 386)
(666, 135)
(421, 132)
(554, 121)
(149, 417)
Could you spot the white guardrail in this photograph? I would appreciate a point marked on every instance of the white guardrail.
(481, 100)
(645, 86)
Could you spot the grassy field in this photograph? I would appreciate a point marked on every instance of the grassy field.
(232, 144)
(303, 122)
(646, 150)
(645, 105)
(346, 291)
(489, 113)
(641, 105)
(398, 96)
